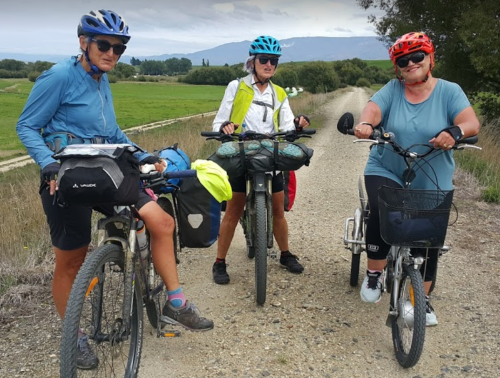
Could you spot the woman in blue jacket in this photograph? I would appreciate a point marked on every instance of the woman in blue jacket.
(72, 103)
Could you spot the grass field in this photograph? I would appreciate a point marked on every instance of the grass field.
(384, 64)
(136, 103)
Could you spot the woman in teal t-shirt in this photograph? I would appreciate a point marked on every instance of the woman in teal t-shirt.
(417, 108)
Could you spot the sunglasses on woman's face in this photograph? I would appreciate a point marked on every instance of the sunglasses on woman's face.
(264, 59)
(416, 57)
(104, 46)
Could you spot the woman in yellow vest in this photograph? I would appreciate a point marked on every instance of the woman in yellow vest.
(256, 104)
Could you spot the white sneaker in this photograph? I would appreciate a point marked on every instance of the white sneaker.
(430, 316)
(371, 288)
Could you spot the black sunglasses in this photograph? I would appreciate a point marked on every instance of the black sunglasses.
(265, 59)
(416, 57)
(104, 46)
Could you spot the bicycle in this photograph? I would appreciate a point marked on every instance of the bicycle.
(409, 219)
(258, 156)
(115, 282)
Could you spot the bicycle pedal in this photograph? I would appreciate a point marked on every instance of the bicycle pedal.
(273, 255)
(170, 333)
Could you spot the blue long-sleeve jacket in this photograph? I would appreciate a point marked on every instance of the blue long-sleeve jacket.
(66, 99)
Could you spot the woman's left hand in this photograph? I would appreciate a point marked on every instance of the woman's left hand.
(443, 141)
(301, 122)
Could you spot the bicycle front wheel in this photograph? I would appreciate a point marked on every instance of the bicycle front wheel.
(95, 307)
(408, 328)
(260, 244)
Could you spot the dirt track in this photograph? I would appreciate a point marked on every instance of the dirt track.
(314, 324)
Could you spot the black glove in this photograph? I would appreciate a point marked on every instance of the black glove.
(224, 124)
(150, 159)
(51, 171)
(297, 120)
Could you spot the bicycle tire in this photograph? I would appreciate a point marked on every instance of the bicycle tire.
(408, 328)
(356, 249)
(168, 207)
(101, 277)
(434, 279)
(260, 243)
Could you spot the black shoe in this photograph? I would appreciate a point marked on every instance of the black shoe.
(187, 316)
(291, 263)
(219, 272)
(85, 357)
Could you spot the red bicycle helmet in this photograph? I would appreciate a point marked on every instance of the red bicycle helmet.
(410, 42)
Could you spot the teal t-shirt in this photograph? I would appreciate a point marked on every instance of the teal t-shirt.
(417, 123)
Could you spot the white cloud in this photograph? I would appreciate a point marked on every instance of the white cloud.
(164, 27)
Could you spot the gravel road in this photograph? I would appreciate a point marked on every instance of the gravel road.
(314, 324)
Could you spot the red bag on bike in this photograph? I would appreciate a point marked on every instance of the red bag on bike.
(290, 188)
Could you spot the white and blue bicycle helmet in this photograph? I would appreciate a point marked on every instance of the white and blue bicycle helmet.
(265, 45)
(103, 22)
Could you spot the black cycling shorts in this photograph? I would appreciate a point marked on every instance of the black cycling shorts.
(70, 226)
(238, 184)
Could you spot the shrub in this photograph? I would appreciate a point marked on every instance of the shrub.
(363, 82)
(33, 75)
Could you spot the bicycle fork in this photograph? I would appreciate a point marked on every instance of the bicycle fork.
(402, 257)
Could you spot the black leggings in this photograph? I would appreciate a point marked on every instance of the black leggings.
(376, 248)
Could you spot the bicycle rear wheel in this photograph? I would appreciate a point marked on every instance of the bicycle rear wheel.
(356, 248)
(95, 307)
(260, 244)
(408, 328)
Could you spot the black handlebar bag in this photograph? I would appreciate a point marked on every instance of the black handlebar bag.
(98, 174)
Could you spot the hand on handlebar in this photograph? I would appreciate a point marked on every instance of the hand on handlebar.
(443, 141)
(228, 127)
(301, 122)
(362, 131)
(158, 167)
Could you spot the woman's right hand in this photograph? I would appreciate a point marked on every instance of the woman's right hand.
(49, 173)
(363, 131)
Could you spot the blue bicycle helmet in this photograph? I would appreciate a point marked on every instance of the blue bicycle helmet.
(265, 45)
(103, 22)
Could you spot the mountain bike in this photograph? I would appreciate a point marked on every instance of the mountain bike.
(113, 285)
(258, 157)
(409, 219)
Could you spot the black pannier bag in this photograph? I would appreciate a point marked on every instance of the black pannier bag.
(95, 174)
(199, 215)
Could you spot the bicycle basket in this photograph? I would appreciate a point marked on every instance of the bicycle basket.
(414, 218)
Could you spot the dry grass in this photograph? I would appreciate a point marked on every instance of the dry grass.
(485, 164)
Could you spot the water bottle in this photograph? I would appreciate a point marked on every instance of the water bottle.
(243, 128)
(142, 241)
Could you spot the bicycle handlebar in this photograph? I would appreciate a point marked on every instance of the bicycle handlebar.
(253, 135)
(346, 123)
(155, 180)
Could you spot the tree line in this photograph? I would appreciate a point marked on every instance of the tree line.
(314, 77)
(465, 34)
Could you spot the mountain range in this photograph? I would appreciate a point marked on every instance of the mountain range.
(298, 49)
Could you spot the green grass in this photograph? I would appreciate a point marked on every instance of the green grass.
(384, 64)
(135, 104)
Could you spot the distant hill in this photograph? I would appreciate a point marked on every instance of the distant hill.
(294, 50)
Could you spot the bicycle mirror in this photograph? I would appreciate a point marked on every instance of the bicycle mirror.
(345, 123)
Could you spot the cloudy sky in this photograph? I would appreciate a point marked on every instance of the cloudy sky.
(178, 26)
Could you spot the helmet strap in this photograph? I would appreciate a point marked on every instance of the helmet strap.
(94, 70)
